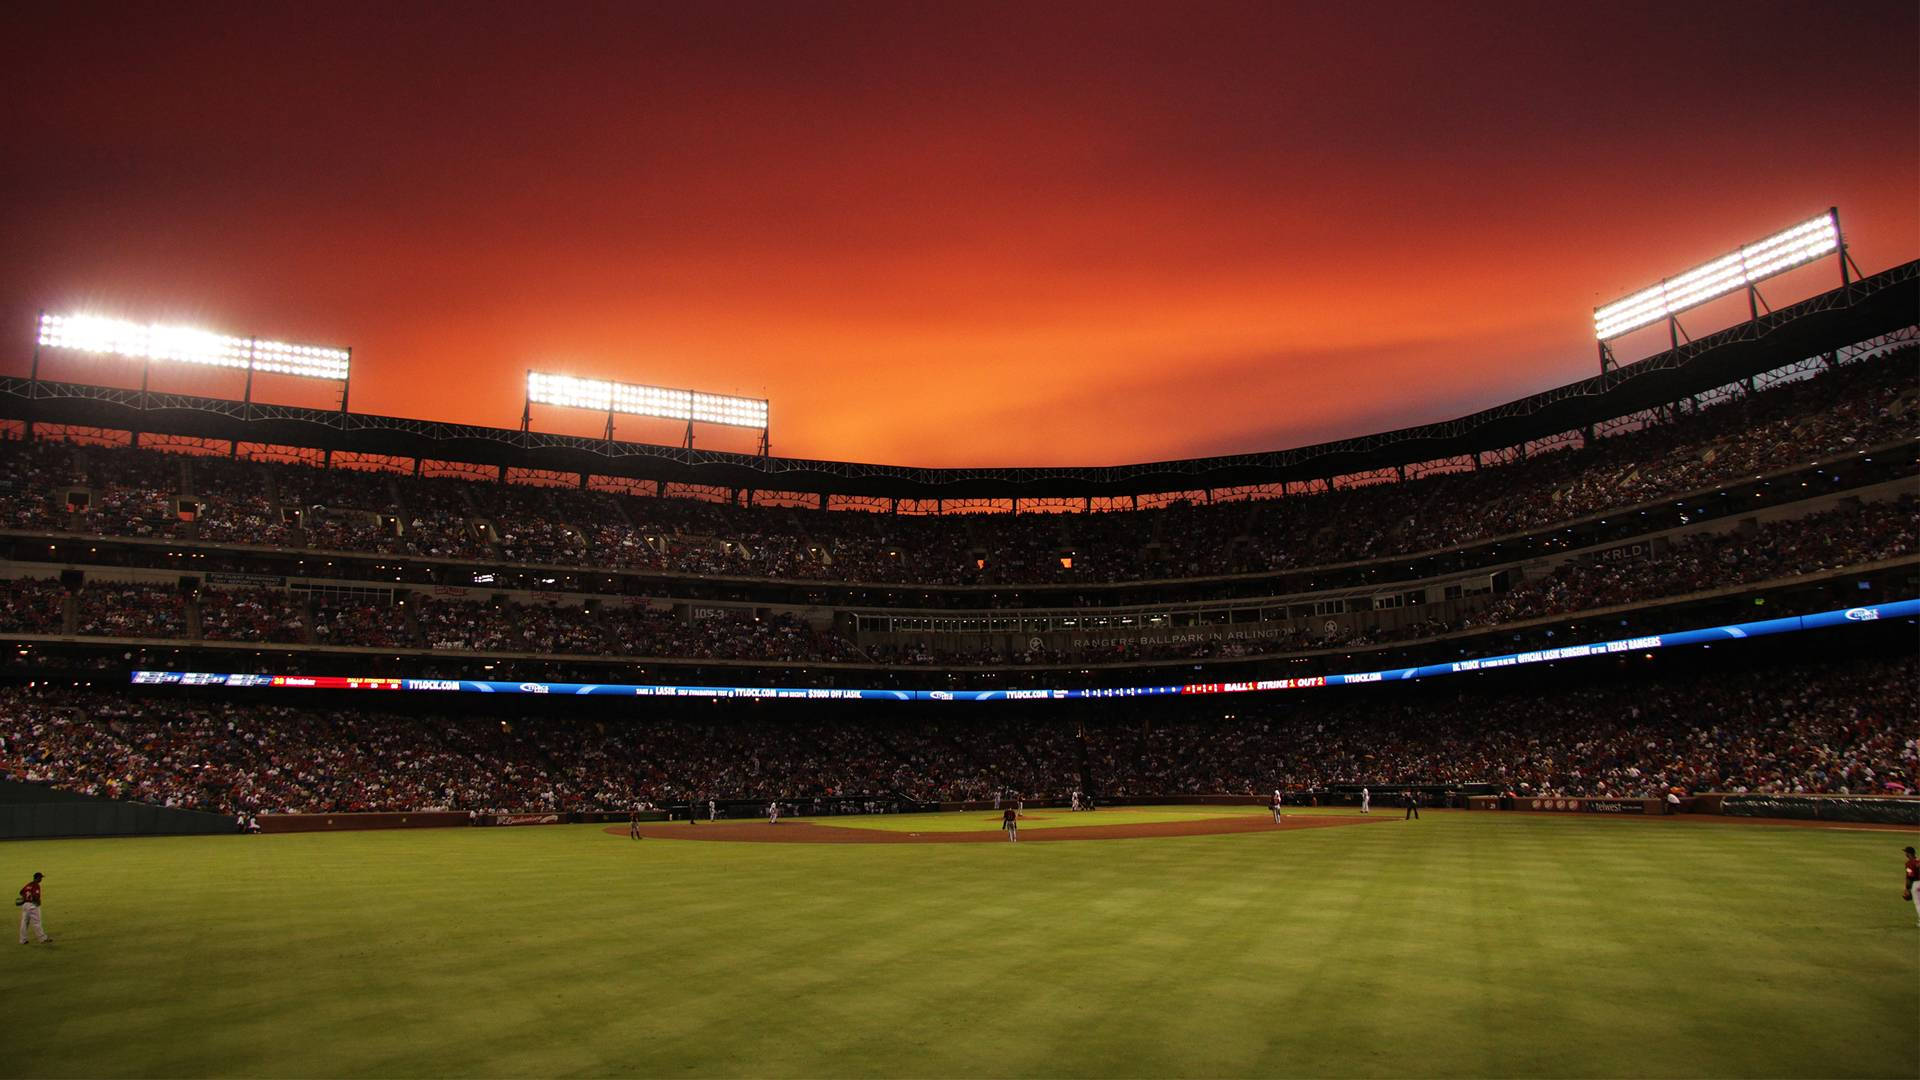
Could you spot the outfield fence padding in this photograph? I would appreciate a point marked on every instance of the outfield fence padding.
(1862, 809)
(30, 810)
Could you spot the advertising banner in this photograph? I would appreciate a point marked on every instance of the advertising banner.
(1645, 643)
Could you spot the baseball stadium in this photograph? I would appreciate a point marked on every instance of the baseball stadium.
(1569, 734)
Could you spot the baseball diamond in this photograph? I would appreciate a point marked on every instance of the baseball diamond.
(976, 828)
(1440, 947)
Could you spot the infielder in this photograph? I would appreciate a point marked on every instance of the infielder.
(1911, 892)
(1366, 801)
(1010, 821)
(29, 905)
(633, 823)
(1276, 806)
(773, 813)
(712, 811)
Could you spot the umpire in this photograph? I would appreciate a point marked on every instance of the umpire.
(1413, 805)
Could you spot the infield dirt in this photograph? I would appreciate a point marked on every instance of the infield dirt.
(807, 832)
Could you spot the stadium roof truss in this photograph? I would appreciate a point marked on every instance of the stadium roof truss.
(1880, 304)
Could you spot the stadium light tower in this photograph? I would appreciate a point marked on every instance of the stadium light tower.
(148, 342)
(666, 403)
(1743, 268)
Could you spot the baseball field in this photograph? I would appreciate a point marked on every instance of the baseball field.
(1459, 945)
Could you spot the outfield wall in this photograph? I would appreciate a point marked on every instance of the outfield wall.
(429, 819)
(30, 810)
(437, 819)
(35, 810)
(1863, 809)
(1561, 804)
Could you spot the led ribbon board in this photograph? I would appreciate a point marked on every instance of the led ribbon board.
(1900, 609)
(1776, 254)
(187, 345)
(657, 401)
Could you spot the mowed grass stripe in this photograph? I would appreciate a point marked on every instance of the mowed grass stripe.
(1459, 945)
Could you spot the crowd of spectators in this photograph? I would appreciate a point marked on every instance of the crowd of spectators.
(113, 610)
(486, 627)
(1838, 728)
(1842, 729)
(529, 524)
(133, 493)
(339, 509)
(32, 606)
(34, 479)
(440, 520)
(138, 512)
(1853, 533)
(234, 506)
(233, 759)
(365, 622)
(612, 630)
(1845, 536)
(241, 614)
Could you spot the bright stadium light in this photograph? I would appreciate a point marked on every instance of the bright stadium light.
(569, 392)
(686, 406)
(187, 345)
(1780, 252)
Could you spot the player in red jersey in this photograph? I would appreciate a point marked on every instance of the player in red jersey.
(1010, 821)
(29, 904)
(1911, 892)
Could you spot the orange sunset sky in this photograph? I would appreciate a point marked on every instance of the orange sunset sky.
(938, 234)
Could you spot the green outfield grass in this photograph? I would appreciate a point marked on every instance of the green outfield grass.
(1461, 945)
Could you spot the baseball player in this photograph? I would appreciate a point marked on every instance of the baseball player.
(1076, 800)
(1276, 806)
(29, 905)
(1911, 892)
(633, 823)
(713, 811)
(773, 812)
(1413, 805)
(1366, 801)
(1010, 821)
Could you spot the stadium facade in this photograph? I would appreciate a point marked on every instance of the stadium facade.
(1747, 483)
